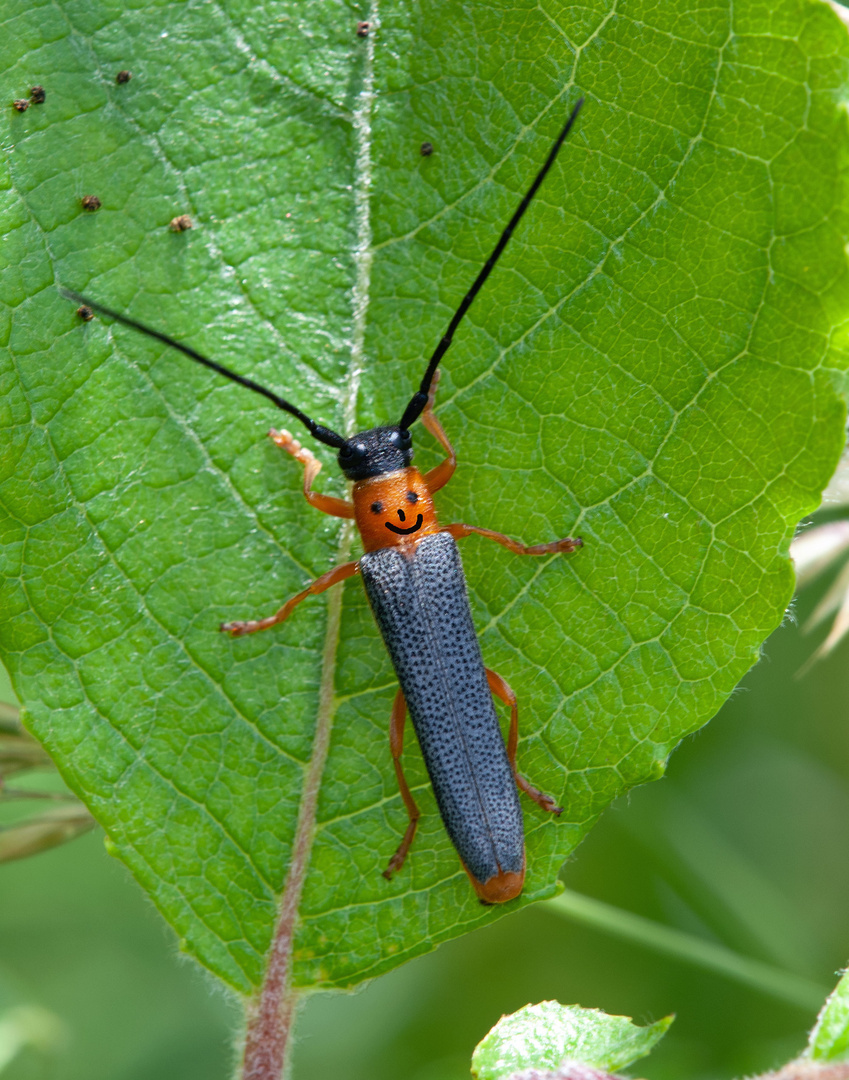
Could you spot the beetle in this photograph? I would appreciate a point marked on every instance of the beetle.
(414, 581)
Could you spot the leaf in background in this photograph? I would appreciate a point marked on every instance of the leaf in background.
(816, 550)
(652, 367)
(29, 1026)
(44, 831)
(22, 832)
(829, 1040)
(547, 1035)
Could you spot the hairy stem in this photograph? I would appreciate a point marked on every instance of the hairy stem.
(270, 1016)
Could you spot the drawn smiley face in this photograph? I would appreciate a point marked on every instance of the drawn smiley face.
(412, 498)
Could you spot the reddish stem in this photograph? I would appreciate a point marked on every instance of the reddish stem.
(270, 1016)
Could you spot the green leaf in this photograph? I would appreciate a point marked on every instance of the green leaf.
(653, 366)
(829, 1040)
(547, 1035)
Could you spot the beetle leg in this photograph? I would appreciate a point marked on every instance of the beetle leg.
(396, 744)
(337, 574)
(312, 466)
(439, 476)
(568, 543)
(503, 691)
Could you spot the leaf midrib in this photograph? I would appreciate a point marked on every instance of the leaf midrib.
(281, 949)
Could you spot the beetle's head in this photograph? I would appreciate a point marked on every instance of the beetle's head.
(375, 452)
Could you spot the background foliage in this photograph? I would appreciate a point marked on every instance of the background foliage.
(659, 346)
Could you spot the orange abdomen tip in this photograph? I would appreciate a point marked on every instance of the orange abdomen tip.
(501, 887)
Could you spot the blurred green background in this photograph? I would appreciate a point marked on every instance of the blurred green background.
(744, 843)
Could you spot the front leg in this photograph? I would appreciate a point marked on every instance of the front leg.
(439, 476)
(337, 574)
(312, 466)
(568, 543)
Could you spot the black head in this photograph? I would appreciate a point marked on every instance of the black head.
(375, 452)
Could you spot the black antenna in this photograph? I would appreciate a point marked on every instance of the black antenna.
(318, 431)
(419, 399)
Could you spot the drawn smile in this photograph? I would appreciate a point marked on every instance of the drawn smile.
(405, 532)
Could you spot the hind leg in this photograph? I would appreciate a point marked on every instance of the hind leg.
(502, 690)
(396, 744)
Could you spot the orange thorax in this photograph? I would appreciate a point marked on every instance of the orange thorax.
(394, 510)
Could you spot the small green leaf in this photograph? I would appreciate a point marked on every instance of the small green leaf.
(829, 1039)
(547, 1035)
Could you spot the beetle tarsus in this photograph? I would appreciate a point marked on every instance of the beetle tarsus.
(569, 543)
(286, 441)
(543, 801)
(400, 857)
(395, 864)
(551, 806)
(239, 629)
(328, 504)
(556, 547)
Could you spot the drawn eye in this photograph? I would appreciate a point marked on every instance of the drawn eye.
(412, 497)
(377, 508)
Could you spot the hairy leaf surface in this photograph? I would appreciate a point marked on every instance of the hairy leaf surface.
(829, 1040)
(654, 366)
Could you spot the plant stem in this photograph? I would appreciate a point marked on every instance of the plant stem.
(795, 989)
(270, 1016)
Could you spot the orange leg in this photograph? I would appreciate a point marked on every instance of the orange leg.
(396, 743)
(568, 543)
(332, 577)
(502, 690)
(312, 466)
(439, 476)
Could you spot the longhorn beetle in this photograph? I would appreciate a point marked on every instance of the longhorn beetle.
(414, 581)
